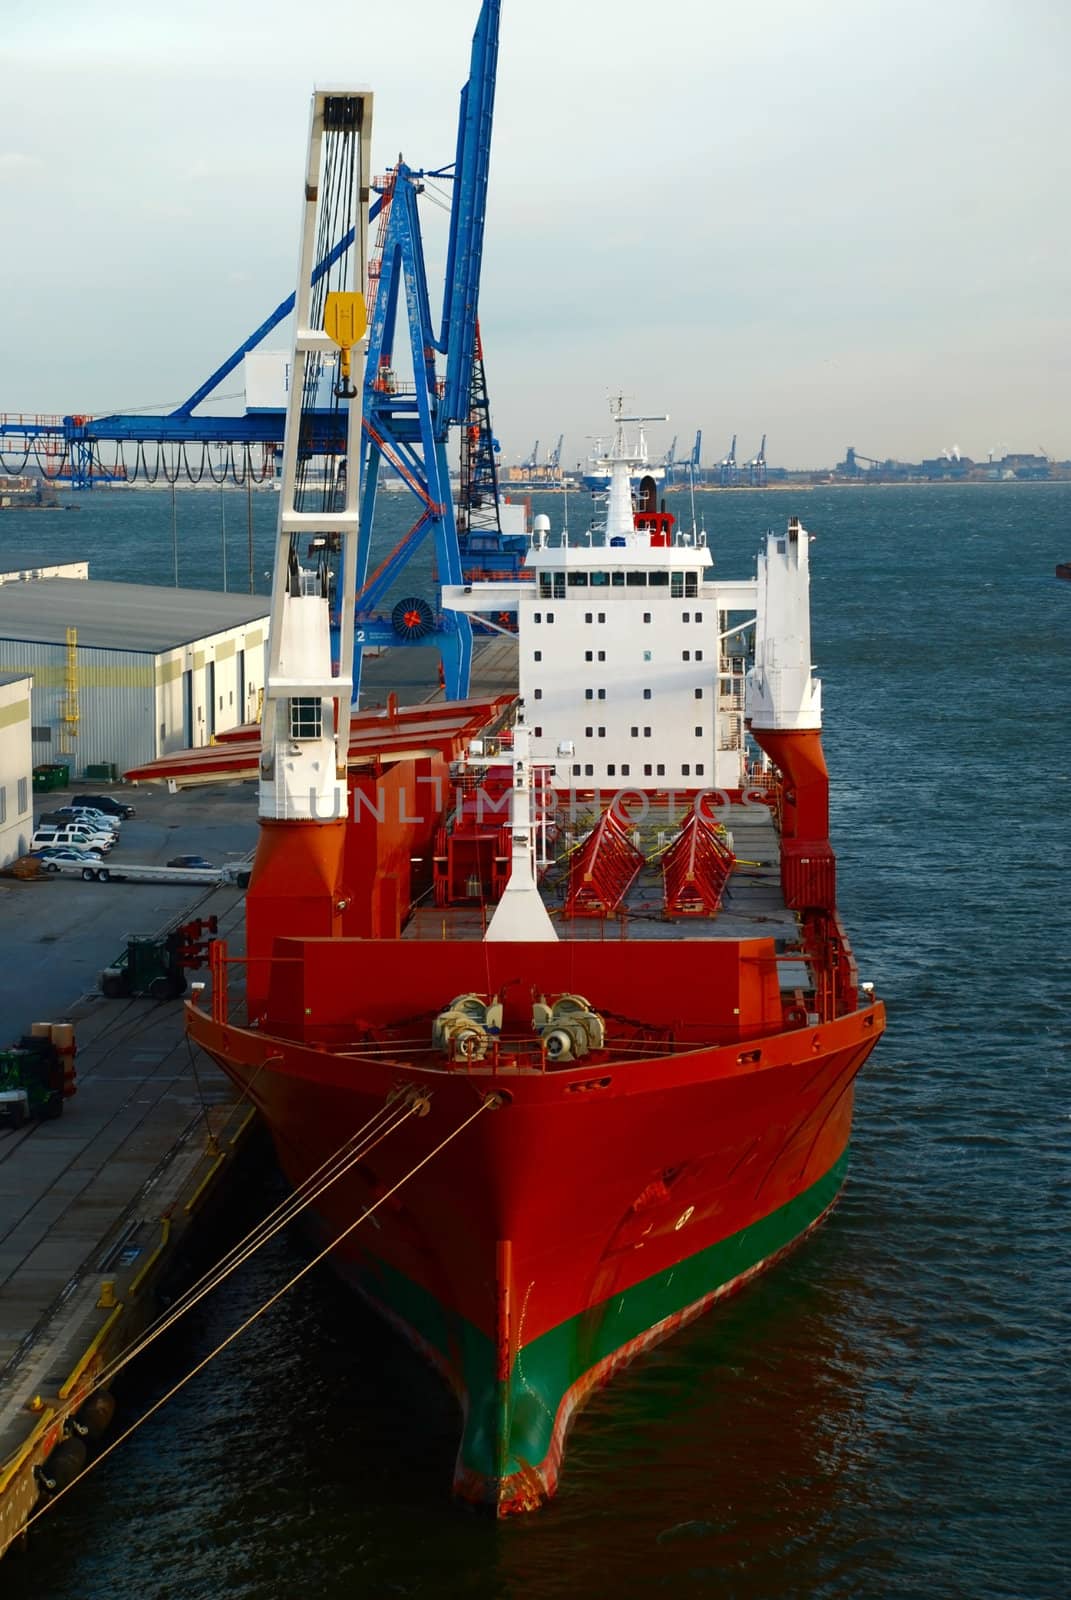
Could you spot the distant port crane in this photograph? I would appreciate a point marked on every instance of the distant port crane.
(727, 468)
(756, 467)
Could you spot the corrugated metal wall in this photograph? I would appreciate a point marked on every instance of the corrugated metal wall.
(134, 706)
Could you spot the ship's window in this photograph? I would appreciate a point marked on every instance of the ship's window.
(600, 580)
(691, 585)
(306, 718)
(611, 770)
(559, 586)
(646, 733)
(587, 655)
(602, 655)
(587, 616)
(686, 770)
(676, 585)
(647, 770)
(588, 770)
(617, 579)
(602, 616)
(537, 655)
(699, 733)
(537, 616)
(660, 770)
(544, 585)
(635, 733)
(699, 655)
(686, 655)
(686, 616)
(699, 694)
(658, 580)
(647, 655)
(537, 694)
(589, 733)
(636, 580)
(646, 692)
(646, 616)
(625, 769)
(602, 733)
(577, 580)
(576, 769)
(550, 616)
(699, 616)
(699, 769)
(780, 547)
(589, 694)
(602, 694)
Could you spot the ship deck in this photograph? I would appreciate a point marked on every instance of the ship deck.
(752, 906)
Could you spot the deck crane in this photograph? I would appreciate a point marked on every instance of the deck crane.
(756, 467)
(727, 467)
(404, 422)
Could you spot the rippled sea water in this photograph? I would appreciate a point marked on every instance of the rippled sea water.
(888, 1413)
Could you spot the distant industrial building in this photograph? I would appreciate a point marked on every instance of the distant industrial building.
(125, 672)
(16, 762)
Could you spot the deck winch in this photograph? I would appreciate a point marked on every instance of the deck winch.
(569, 1028)
(468, 1027)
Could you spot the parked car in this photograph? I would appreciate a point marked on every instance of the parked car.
(93, 819)
(55, 856)
(104, 802)
(192, 861)
(80, 837)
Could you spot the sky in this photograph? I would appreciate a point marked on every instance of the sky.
(834, 223)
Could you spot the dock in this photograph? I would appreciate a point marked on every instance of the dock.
(95, 1205)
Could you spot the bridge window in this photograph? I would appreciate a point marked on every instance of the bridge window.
(617, 579)
(306, 718)
(636, 580)
(544, 586)
(658, 580)
(676, 586)
(691, 585)
(559, 586)
(600, 580)
(577, 580)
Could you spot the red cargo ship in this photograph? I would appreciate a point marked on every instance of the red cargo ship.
(545, 1000)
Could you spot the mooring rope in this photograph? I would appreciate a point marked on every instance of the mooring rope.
(490, 1102)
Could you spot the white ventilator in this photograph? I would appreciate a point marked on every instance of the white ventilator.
(306, 721)
(521, 914)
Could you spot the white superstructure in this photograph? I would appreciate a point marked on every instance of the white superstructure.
(631, 650)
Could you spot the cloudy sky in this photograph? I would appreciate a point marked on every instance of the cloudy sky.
(831, 222)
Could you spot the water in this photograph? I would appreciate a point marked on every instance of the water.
(887, 1414)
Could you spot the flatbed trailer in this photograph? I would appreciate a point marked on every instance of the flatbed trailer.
(132, 872)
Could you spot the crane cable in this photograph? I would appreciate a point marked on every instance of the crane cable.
(488, 1103)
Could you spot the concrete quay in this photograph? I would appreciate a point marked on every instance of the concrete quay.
(95, 1205)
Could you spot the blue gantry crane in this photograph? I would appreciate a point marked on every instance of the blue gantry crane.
(406, 417)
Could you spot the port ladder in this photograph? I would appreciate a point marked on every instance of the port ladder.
(695, 868)
(603, 869)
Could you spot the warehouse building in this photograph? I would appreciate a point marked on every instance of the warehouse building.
(16, 762)
(125, 672)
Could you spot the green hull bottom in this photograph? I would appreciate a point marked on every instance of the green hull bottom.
(514, 1430)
